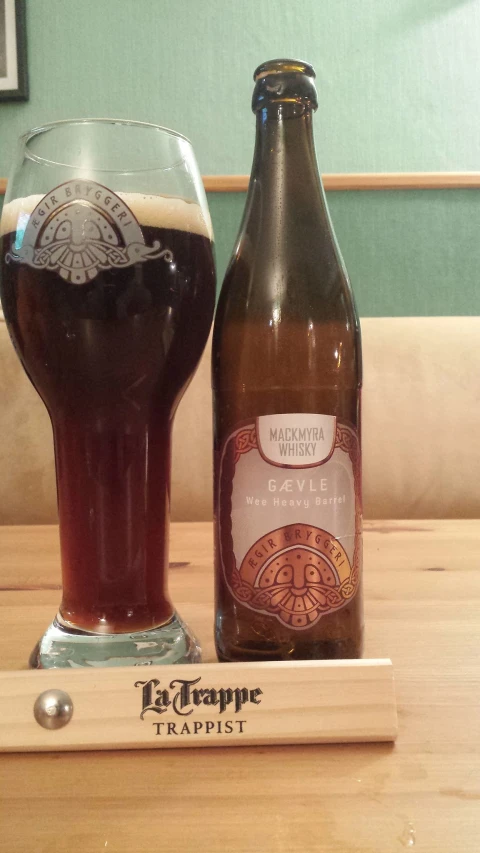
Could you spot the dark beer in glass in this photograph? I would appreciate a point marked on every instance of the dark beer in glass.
(107, 283)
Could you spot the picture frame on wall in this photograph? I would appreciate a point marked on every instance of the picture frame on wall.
(13, 51)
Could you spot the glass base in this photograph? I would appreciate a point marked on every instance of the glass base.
(66, 647)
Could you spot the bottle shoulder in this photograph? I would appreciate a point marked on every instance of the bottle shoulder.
(268, 295)
(287, 353)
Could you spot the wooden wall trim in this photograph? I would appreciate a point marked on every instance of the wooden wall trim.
(363, 181)
(352, 181)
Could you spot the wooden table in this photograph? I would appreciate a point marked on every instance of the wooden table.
(422, 582)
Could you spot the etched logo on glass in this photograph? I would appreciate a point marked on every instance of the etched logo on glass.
(80, 228)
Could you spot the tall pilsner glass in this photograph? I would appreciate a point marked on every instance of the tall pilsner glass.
(107, 284)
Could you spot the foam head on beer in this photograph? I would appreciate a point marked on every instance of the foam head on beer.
(150, 210)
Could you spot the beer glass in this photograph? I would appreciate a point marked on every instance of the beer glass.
(108, 288)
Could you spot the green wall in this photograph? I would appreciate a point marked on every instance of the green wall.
(408, 253)
(398, 79)
(398, 83)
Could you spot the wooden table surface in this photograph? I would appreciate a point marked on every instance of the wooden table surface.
(422, 584)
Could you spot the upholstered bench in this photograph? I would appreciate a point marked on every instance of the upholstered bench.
(421, 428)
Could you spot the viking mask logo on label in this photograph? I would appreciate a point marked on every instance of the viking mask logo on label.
(80, 228)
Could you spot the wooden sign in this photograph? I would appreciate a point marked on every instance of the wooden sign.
(200, 705)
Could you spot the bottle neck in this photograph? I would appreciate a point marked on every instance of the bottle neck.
(284, 146)
(285, 183)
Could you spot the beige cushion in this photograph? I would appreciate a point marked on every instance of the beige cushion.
(421, 417)
(420, 426)
(27, 474)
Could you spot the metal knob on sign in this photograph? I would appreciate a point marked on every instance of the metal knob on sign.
(53, 709)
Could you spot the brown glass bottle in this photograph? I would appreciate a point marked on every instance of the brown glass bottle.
(287, 342)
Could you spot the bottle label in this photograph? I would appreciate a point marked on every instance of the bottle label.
(289, 516)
